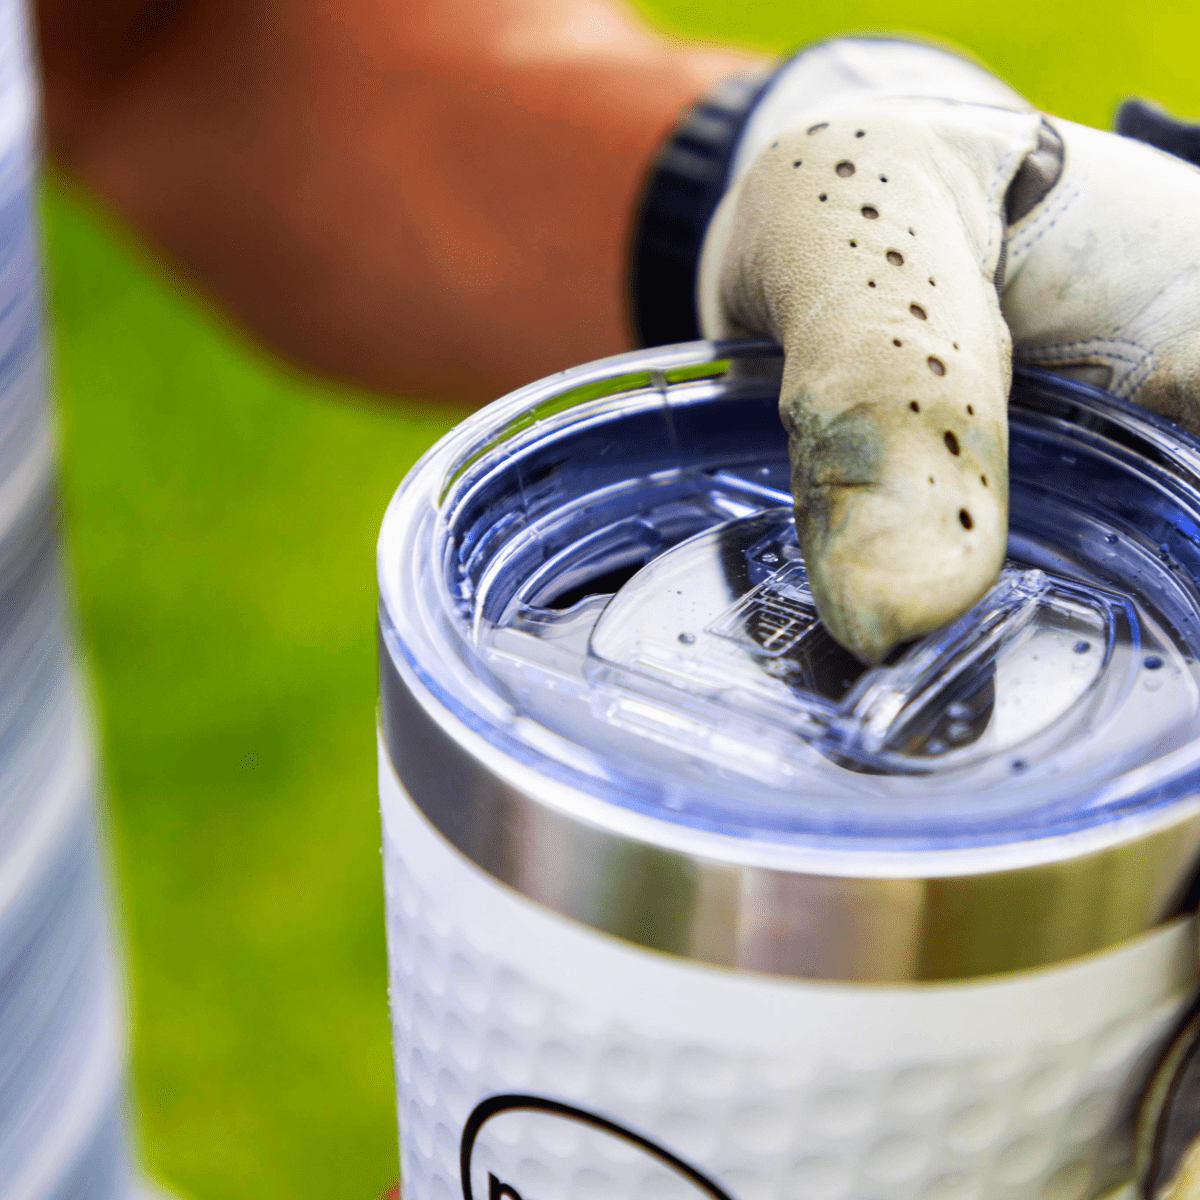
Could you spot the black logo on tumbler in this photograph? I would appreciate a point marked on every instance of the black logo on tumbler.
(500, 1189)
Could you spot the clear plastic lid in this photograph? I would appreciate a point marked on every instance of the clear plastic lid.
(601, 575)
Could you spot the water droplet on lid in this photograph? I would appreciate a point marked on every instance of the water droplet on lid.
(1152, 662)
(958, 711)
(770, 558)
(1110, 538)
(936, 747)
(687, 638)
(958, 731)
(1082, 647)
(764, 471)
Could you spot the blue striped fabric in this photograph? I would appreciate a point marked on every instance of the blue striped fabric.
(62, 1026)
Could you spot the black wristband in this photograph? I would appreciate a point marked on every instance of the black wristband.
(1157, 127)
(681, 193)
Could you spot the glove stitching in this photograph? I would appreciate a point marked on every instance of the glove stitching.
(1129, 351)
(1021, 246)
(999, 186)
(1139, 362)
(1044, 222)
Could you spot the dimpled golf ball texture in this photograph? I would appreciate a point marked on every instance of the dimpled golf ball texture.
(763, 1120)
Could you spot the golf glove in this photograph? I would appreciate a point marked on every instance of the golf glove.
(906, 226)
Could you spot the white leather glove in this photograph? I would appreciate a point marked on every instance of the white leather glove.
(904, 224)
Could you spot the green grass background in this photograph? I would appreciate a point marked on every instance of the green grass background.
(222, 515)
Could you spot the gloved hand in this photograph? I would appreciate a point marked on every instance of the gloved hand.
(904, 224)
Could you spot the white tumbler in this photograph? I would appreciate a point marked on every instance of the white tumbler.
(684, 902)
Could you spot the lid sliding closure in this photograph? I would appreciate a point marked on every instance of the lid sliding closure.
(726, 621)
(887, 702)
(1028, 653)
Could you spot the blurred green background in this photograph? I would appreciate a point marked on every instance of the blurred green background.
(222, 515)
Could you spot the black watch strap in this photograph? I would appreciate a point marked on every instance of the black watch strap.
(1154, 125)
(681, 193)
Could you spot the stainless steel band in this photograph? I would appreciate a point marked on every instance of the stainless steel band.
(793, 924)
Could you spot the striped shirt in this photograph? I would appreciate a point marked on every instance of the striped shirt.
(62, 1026)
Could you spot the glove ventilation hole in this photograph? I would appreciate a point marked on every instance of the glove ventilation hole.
(914, 406)
(854, 244)
(932, 281)
(861, 133)
(917, 311)
(870, 212)
(895, 258)
(818, 128)
(936, 365)
(951, 443)
(845, 169)
(970, 410)
(964, 519)
(897, 342)
(822, 197)
(983, 480)
(798, 163)
(870, 283)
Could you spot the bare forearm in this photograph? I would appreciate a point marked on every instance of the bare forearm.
(428, 197)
